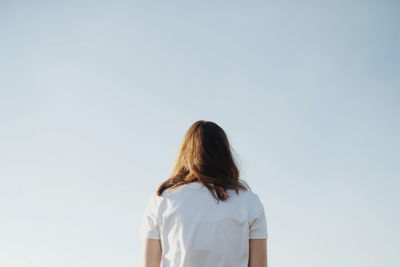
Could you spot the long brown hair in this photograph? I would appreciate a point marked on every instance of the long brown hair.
(205, 156)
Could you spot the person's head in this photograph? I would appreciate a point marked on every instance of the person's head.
(205, 156)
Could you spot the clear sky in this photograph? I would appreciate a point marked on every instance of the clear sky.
(97, 95)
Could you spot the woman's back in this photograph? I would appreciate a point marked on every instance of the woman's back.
(197, 231)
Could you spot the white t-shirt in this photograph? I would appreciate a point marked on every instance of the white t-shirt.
(195, 231)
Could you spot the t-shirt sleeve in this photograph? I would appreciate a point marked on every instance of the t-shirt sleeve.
(150, 227)
(258, 221)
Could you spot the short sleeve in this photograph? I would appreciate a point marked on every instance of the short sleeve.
(258, 222)
(150, 227)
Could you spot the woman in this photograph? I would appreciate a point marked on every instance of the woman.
(203, 215)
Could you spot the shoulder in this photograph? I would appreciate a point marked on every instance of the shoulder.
(253, 197)
(253, 202)
(248, 196)
(153, 200)
(156, 198)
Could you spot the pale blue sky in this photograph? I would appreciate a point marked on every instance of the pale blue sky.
(96, 97)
